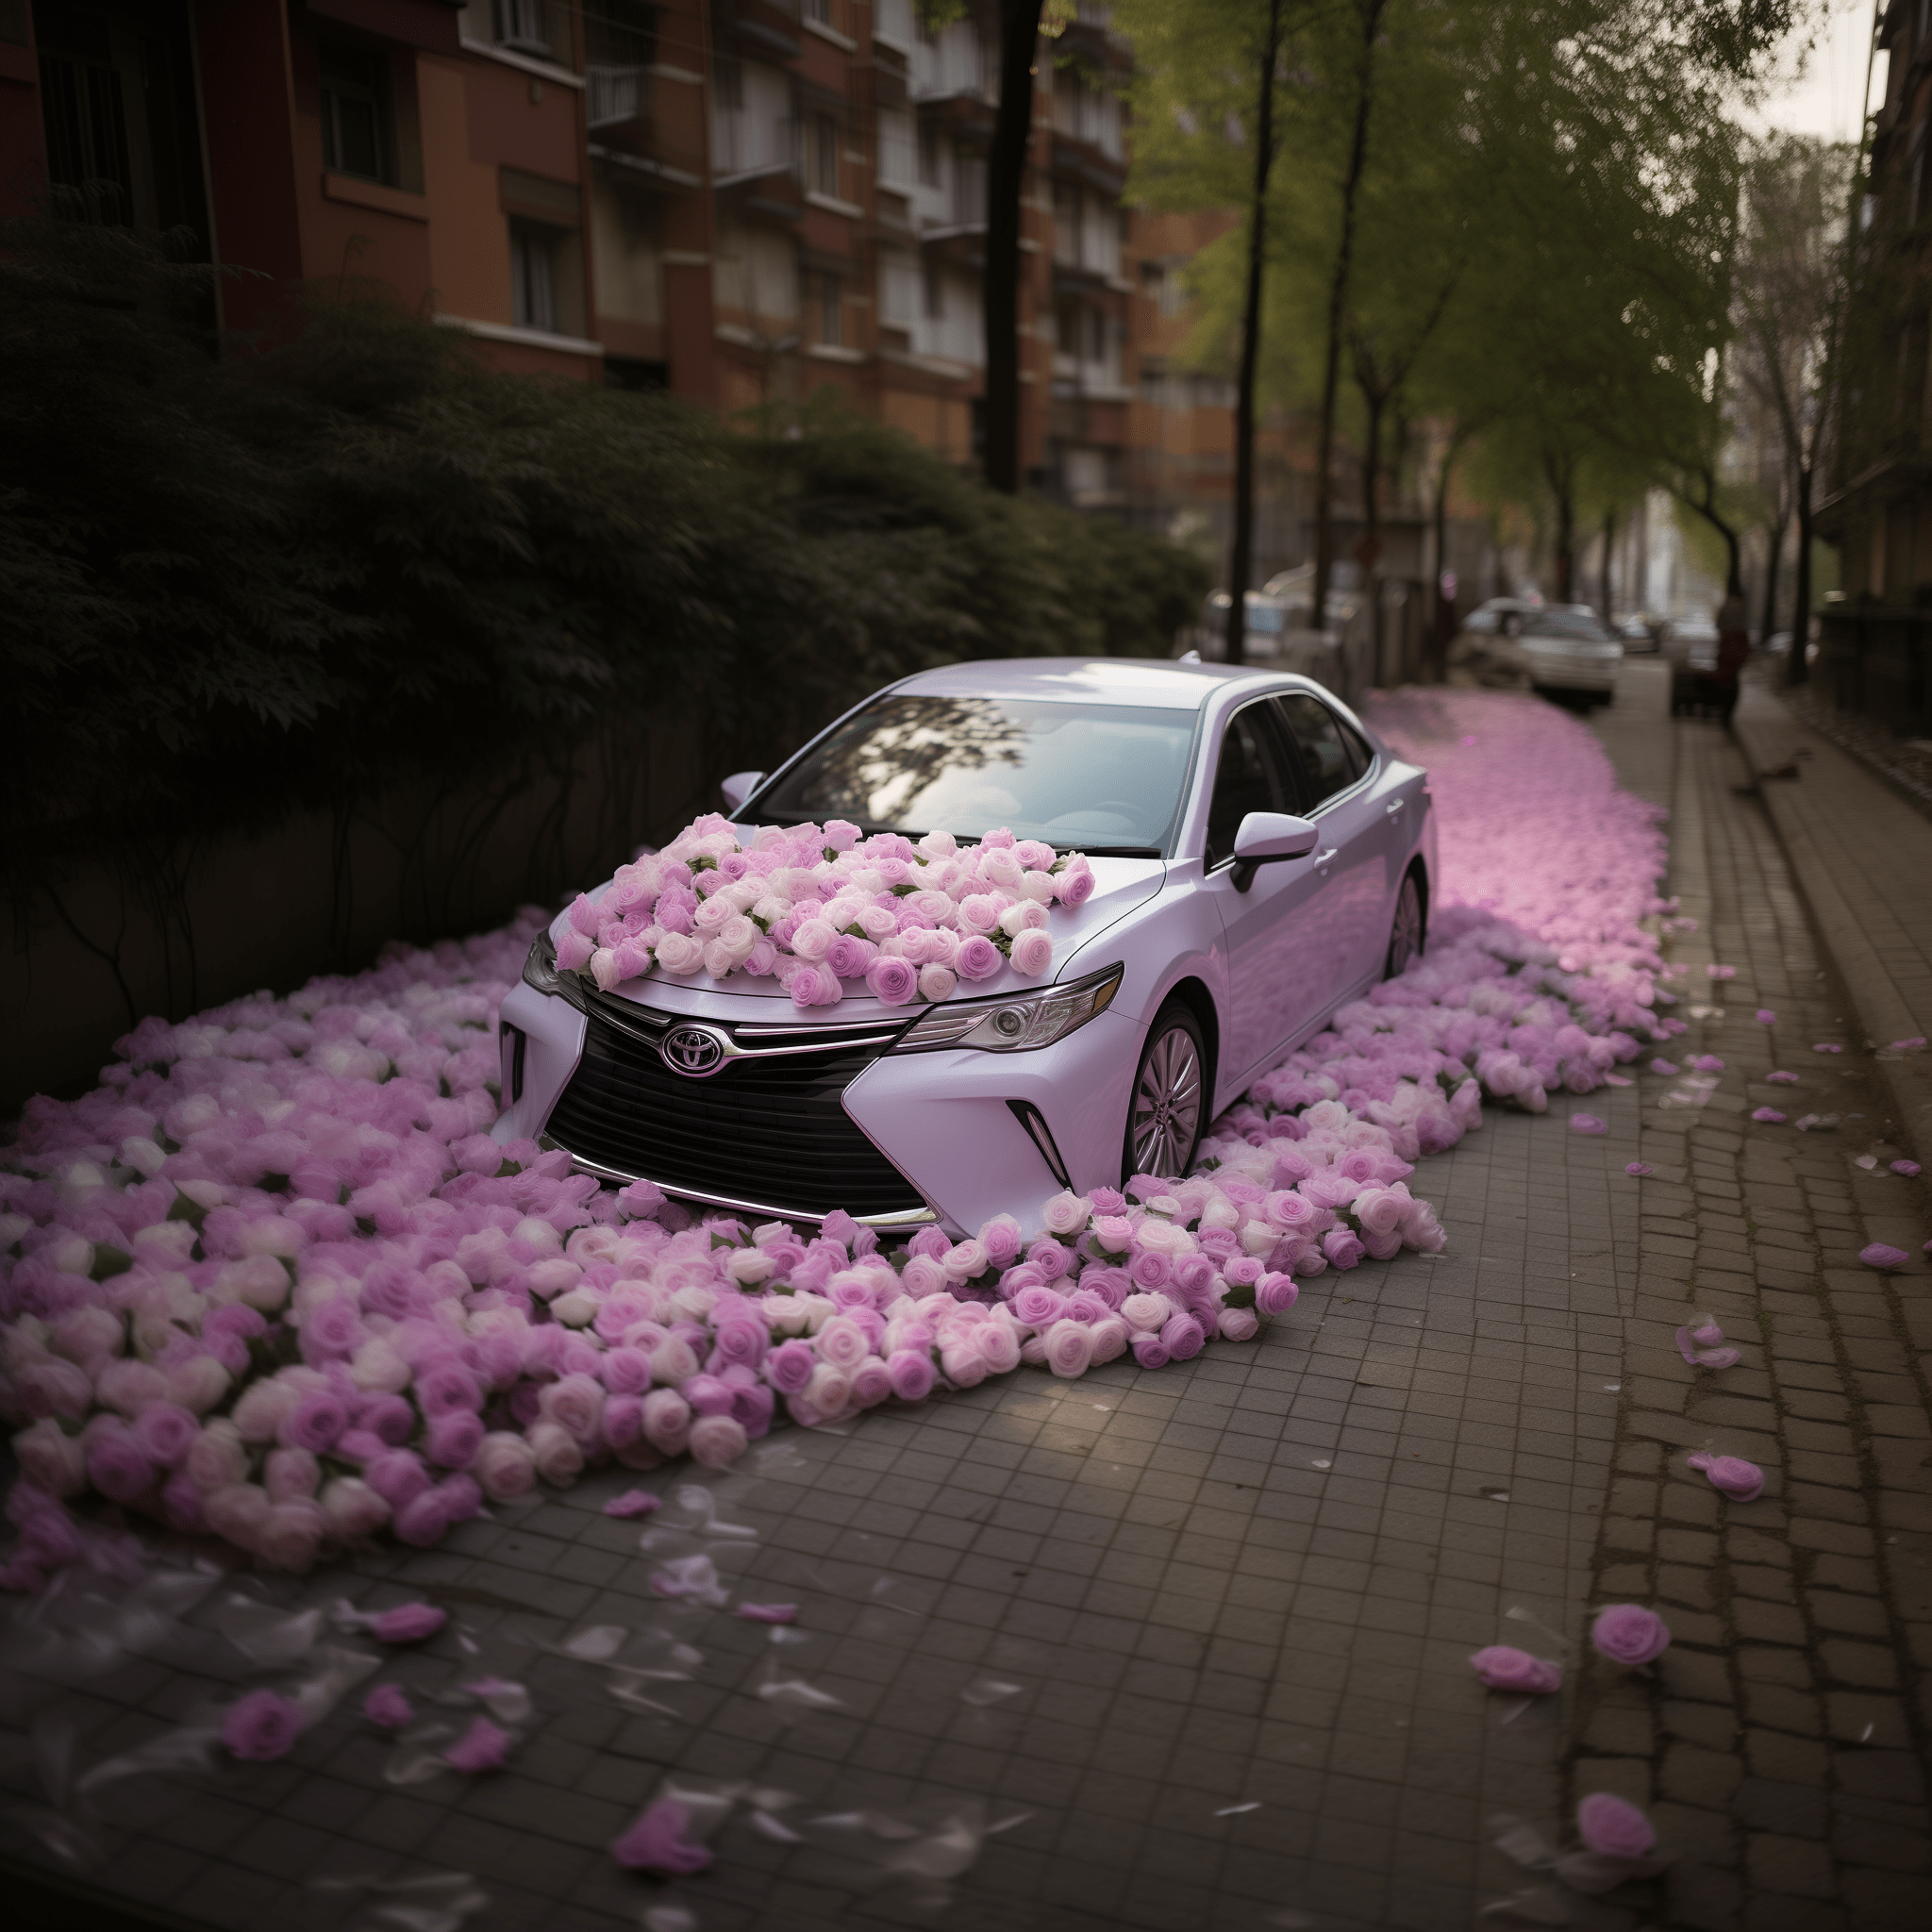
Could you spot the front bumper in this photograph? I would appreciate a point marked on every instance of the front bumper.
(944, 1123)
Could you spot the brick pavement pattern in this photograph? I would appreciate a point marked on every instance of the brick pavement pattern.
(1192, 1645)
(1780, 1742)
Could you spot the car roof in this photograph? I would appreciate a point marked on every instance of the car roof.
(1158, 683)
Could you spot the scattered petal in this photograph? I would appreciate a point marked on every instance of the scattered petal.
(1639, 1168)
(1827, 1047)
(260, 1726)
(657, 1841)
(769, 1613)
(388, 1707)
(1503, 1668)
(633, 1503)
(1908, 1168)
(1766, 1016)
(482, 1747)
(1587, 1123)
(1769, 1115)
(1779, 1078)
(1663, 1066)
(1879, 1254)
(410, 1622)
(1743, 1482)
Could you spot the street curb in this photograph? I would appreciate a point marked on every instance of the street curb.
(1767, 744)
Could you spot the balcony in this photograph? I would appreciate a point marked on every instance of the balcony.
(753, 147)
(615, 98)
(956, 65)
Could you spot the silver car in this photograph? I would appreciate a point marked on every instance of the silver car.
(1569, 652)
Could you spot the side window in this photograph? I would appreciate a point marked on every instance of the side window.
(1249, 777)
(1358, 745)
(1332, 756)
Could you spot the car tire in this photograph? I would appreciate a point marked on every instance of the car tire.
(1408, 932)
(1168, 1104)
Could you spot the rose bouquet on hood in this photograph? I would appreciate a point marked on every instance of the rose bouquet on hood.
(815, 906)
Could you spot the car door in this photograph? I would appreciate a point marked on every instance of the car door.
(1271, 994)
(1352, 857)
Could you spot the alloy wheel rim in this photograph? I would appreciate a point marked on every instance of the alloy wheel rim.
(1167, 1104)
(1404, 943)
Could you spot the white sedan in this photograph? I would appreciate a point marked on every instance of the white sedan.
(1568, 650)
(1260, 859)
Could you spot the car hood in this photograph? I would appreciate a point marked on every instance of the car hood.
(1119, 886)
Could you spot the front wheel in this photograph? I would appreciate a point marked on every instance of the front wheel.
(1164, 1117)
(1407, 936)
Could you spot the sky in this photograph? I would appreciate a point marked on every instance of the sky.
(1823, 98)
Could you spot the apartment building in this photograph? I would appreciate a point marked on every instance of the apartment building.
(744, 201)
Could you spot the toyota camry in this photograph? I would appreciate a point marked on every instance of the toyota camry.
(1259, 857)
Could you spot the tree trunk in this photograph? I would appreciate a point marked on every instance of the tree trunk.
(1241, 563)
(1796, 667)
(1371, 12)
(1373, 407)
(1005, 171)
(1439, 609)
(1774, 556)
(1562, 480)
(1604, 578)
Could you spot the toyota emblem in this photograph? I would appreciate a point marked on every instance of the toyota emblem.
(692, 1051)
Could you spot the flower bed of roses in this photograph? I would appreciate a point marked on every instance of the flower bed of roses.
(273, 1280)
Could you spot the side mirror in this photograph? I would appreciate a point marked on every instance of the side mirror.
(1267, 837)
(738, 786)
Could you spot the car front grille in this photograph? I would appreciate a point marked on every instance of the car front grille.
(766, 1131)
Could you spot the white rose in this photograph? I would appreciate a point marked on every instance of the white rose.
(289, 1536)
(51, 1457)
(1066, 1213)
(198, 1383)
(263, 1409)
(576, 1309)
(1258, 1238)
(554, 1452)
(748, 1266)
(352, 1510)
(554, 1278)
(375, 1368)
(505, 1466)
(1143, 1313)
(1026, 915)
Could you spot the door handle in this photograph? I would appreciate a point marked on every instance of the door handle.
(1393, 809)
(1323, 858)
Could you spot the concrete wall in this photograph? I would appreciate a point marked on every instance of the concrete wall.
(170, 928)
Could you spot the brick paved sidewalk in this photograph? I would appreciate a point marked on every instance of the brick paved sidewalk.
(1190, 1646)
(1781, 1742)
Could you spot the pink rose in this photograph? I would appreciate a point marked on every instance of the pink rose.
(1238, 1325)
(1151, 1352)
(633, 1503)
(117, 1465)
(1504, 1669)
(936, 983)
(505, 1466)
(1074, 889)
(1628, 1634)
(893, 982)
(1614, 1829)
(658, 1843)
(911, 1370)
(977, 959)
(1069, 1347)
(848, 957)
(1275, 1294)
(1344, 1249)
(1743, 1482)
(351, 1509)
(815, 986)
(261, 1726)
(1032, 953)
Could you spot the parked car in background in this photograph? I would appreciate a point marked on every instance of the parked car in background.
(1296, 590)
(1502, 616)
(1637, 633)
(1570, 653)
(1691, 645)
(1260, 857)
(1268, 622)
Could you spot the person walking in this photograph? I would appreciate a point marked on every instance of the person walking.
(1733, 652)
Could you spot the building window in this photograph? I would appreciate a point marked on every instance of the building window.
(521, 23)
(831, 329)
(820, 11)
(935, 295)
(354, 113)
(928, 155)
(533, 276)
(824, 154)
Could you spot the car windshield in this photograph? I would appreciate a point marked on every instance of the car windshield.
(1102, 778)
(1572, 625)
(1266, 618)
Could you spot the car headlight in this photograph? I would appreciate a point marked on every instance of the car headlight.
(1014, 1025)
(540, 965)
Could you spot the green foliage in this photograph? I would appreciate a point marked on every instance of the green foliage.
(237, 587)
